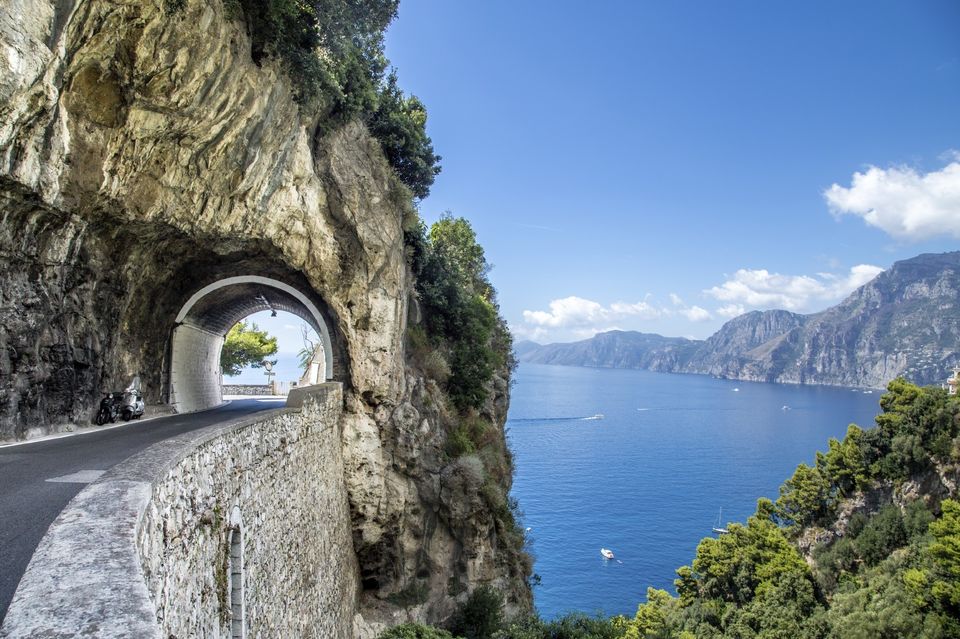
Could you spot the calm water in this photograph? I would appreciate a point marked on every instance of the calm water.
(648, 479)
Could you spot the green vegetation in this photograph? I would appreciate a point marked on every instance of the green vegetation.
(460, 313)
(480, 616)
(244, 347)
(884, 569)
(463, 345)
(332, 50)
(415, 631)
(414, 594)
(400, 123)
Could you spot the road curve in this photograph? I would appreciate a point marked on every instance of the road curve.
(29, 502)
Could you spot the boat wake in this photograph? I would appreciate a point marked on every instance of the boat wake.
(530, 420)
(592, 417)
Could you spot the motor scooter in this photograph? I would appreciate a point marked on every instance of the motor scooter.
(109, 409)
(132, 406)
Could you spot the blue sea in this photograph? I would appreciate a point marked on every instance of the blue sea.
(287, 369)
(642, 463)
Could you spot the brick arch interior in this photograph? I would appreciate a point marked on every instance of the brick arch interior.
(205, 318)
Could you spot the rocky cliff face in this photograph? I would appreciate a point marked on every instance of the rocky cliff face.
(904, 322)
(730, 351)
(143, 155)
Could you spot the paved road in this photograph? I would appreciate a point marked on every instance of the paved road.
(29, 503)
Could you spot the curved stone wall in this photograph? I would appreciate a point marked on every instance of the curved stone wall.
(146, 550)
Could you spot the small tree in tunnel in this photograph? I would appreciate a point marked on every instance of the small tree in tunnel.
(244, 347)
(311, 342)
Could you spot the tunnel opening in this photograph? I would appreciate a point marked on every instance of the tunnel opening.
(248, 367)
(193, 376)
(89, 307)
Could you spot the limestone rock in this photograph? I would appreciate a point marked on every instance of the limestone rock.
(144, 155)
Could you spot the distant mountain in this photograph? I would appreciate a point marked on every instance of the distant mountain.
(906, 321)
(523, 347)
(614, 349)
(732, 351)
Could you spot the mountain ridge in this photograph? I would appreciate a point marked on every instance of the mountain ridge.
(904, 322)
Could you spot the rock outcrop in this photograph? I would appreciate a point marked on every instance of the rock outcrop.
(143, 155)
(906, 321)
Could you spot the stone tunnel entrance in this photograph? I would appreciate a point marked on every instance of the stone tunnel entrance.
(193, 372)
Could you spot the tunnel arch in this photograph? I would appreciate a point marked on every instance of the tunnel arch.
(203, 321)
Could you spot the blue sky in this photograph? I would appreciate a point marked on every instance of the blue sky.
(661, 166)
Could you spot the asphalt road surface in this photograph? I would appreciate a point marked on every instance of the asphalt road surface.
(29, 502)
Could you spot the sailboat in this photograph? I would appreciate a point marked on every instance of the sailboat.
(718, 529)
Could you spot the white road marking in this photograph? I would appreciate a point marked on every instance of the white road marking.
(96, 429)
(79, 477)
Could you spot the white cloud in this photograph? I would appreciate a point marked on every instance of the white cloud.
(731, 310)
(579, 318)
(696, 314)
(567, 312)
(578, 313)
(676, 299)
(640, 309)
(903, 202)
(532, 333)
(760, 288)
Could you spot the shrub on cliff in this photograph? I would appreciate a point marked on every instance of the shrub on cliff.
(459, 307)
(480, 616)
(332, 50)
(400, 124)
(415, 631)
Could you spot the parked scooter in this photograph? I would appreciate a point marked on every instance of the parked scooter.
(132, 407)
(109, 409)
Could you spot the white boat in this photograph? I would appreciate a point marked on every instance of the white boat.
(607, 553)
(719, 529)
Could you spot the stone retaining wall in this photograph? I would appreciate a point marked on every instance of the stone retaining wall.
(145, 550)
(247, 389)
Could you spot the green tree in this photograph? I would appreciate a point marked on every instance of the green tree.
(740, 565)
(651, 616)
(883, 533)
(480, 616)
(400, 124)
(244, 347)
(460, 312)
(788, 609)
(415, 631)
(332, 50)
(456, 242)
(348, 32)
(805, 498)
(945, 551)
(843, 463)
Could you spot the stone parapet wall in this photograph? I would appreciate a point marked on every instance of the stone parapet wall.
(144, 551)
(247, 389)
